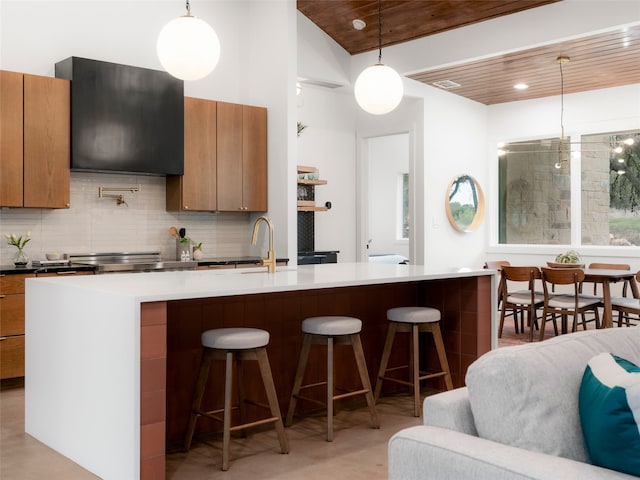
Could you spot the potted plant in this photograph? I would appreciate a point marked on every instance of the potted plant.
(21, 259)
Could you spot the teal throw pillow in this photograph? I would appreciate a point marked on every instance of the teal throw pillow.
(609, 405)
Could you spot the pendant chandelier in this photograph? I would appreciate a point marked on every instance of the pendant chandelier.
(564, 146)
(378, 88)
(188, 48)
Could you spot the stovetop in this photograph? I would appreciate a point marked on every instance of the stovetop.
(129, 262)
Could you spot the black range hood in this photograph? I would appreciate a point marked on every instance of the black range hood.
(124, 119)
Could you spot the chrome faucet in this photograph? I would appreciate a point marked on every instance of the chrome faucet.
(270, 261)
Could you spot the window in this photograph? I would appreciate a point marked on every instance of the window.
(610, 195)
(534, 194)
(535, 190)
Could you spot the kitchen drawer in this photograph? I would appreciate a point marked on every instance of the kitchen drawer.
(12, 357)
(10, 284)
(11, 315)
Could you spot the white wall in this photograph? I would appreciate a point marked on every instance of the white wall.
(257, 66)
(328, 143)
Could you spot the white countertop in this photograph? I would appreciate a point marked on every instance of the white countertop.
(177, 285)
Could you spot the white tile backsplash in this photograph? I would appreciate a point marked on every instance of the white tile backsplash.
(95, 224)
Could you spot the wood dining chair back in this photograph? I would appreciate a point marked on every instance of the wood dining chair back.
(502, 287)
(567, 304)
(525, 300)
(628, 308)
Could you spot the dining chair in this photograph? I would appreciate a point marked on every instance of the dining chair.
(498, 265)
(626, 307)
(524, 301)
(565, 304)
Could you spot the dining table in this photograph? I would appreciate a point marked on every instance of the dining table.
(606, 277)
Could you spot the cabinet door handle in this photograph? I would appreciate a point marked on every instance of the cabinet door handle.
(68, 272)
(2, 296)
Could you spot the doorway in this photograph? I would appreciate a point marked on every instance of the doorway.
(386, 220)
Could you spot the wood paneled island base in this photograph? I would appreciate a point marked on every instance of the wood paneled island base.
(463, 308)
(173, 309)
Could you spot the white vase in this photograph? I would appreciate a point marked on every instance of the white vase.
(197, 254)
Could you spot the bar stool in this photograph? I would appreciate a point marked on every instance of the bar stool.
(414, 320)
(235, 345)
(330, 331)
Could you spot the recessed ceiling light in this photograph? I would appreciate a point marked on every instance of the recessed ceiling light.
(521, 86)
(358, 24)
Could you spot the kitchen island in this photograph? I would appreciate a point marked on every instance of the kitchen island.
(111, 359)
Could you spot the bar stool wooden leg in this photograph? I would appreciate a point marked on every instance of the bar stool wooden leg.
(272, 397)
(241, 397)
(442, 356)
(384, 361)
(226, 431)
(302, 364)
(330, 389)
(364, 378)
(203, 374)
(415, 367)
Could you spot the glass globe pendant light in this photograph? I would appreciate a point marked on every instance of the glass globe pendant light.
(188, 48)
(378, 88)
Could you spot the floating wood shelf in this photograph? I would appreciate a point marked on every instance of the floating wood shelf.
(312, 209)
(309, 205)
(304, 181)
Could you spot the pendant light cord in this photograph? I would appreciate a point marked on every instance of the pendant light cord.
(561, 99)
(379, 31)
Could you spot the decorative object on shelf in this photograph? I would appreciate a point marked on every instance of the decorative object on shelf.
(20, 259)
(378, 88)
(301, 128)
(465, 203)
(102, 193)
(188, 48)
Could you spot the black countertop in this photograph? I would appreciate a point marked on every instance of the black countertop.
(30, 269)
(11, 269)
(235, 261)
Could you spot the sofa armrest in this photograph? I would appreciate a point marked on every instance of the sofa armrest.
(426, 452)
(450, 410)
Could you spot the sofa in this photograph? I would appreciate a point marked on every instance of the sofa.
(516, 418)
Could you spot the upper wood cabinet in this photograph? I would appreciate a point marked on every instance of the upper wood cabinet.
(34, 141)
(195, 190)
(242, 158)
(11, 121)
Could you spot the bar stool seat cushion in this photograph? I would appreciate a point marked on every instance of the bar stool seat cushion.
(332, 325)
(235, 338)
(414, 314)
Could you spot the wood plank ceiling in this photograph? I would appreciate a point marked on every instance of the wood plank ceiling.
(598, 61)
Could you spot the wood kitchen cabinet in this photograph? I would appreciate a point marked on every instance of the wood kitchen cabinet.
(34, 141)
(12, 325)
(195, 190)
(12, 331)
(242, 158)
